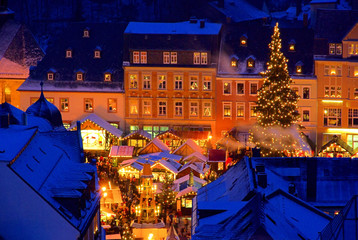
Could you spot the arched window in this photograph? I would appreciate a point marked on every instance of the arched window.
(80, 75)
(292, 46)
(251, 62)
(86, 33)
(68, 53)
(299, 66)
(233, 62)
(243, 41)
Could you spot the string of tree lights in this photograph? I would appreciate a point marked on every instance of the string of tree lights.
(276, 107)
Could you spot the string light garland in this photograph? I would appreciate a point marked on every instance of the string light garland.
(276, 107)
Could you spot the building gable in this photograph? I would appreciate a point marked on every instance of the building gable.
(353, 34)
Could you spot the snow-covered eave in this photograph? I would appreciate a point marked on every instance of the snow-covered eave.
(91, 213)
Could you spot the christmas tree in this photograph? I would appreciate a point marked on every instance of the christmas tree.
(167, 197)
(276, 106)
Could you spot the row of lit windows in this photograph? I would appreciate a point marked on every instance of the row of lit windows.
(107, 77)
(333, 117)
(162, 82)
(335, 49)
(333, 70)
(240, 110)
(250, 64)
(240, 88)
(199, 58)
(162, 108)
(291, 44)
(64, 104)
(96, 53)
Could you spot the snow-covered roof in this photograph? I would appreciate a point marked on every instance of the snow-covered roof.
(139, 132)
(186, 191)
(159, 144)
(159, 155)
(172, 28)
(198, 167)
(186, 178)
(100, 122)
(51, 165)
(121, 151)
(191, 144)
(323, 1)
(168, 164)
(196, 155)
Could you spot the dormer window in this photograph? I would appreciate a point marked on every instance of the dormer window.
(97, 52)
(250, 62)
(50, 76)
(107, 77)
(69, 53)
(86, 33)
(243, 41)
(79, 76)
(292, 46)
(338, 49)
(233, 62)
(299, 66)
(332, 49)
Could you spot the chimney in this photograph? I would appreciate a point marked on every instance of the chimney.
(4, 120)
(202, 23)
(305, 19)
(262, 179)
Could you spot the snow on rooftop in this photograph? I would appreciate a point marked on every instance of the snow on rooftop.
(7, 34)
(159, 155)
(186, 178)
(173, 28)
(197, 155)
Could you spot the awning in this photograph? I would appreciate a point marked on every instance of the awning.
(101, 123)
(121, 151)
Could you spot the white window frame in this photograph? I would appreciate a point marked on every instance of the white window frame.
(243, 83)
(230, 87)
(355, 93)
(196, 58)
(162, 108)
(68, 53)
(79, 76)
(352, 115)
(136, 58)
(107, 77)
(64, 106)
(173, 57)
(133, 103)
(177, 108)
(159, 81)
(147, 106)
(205, 81)
(257, 88)
(205, 107)
(204, 58)
(309, 92)
(355, 72)
(309, 114)
(194, 107)
(336, 89)
(252, 105)
(50, 76)
(86, 33)
(243, 105)
(145, 86)
(166, 57)
(132, 81)
(339, 49)
(178, 78)
(229, 104)
(332, 49)
(143, 57)
(97, 53)
(329, 113)
(191, 79)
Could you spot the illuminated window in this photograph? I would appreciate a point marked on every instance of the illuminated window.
(133, 128)
(50, 76)
(196, 57)
(64, 104)
(194, 109)
(355, 71)
(326, 70)
(147, 107)
(133, 81)
(296, 90)
(292, 46)
(173, 58)
(332, 49)
(243, 41)
(207, 83)
(135, 57)
(166, 57)
(240, 110)
(7, 95)
(253, 88)
(68, 53)
(305, 115)
(112, 105)
(143, 57)
(204, 58)
(79, 76)
(233, 63)
(178, 82)
(250, 63)
(334, 89)
(338, 49)
(306, 93)
(352, 49)
(178, 111)
(352, 140)
(97, 54)
(253, 113)
(88, 105)
(220, 166)
(355, 93)
(353, 117)
(332, 117)
(162, 108)
(240, 88)
(298, 69)
(207, 109)
(227, 87)
(86, 33)
(194, 83)
(147, 82)
(339, 70)
(107, 77)
(162, 82)
(227, 110)
(133, 107)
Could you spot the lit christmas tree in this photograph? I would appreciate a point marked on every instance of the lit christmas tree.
(167, 197)
(276, 107)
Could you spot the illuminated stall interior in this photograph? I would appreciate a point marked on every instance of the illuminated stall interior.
(137, 139)
(188, 148)
(98, 134)
(170, 139)
(336, 148)
(120, 153)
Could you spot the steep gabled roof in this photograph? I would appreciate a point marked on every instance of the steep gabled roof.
(188, 148)
(138, 134)
(340, 142)
(154, 146)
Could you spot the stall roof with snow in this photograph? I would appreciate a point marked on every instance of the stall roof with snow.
(154, 146)
(188, 148)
